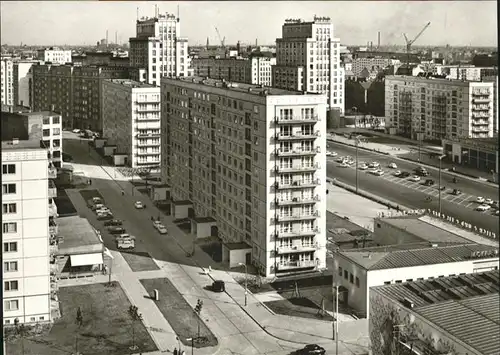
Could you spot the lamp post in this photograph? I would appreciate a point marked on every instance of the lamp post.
(246, 282)
(192, 344)
(419, 137)
(335, 323)
(439, 179)
(354, 108)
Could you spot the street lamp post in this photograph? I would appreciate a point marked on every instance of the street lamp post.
(357, 144)
(246, 282)
(192, 344)
(335, 324)
(439, 178)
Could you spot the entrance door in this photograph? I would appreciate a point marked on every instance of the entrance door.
(248, 258)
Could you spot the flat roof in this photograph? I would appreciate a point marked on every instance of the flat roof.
(40, 113)
(77, 232)
(130, 83)
(237, 246)
(236, 87)
(464, 306)
(23, 144)
(423, 230)
(204, 219)
(417, 254)
(433, 79)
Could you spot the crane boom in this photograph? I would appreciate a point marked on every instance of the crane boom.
(220, 38)
(420, 33)
(409, 43)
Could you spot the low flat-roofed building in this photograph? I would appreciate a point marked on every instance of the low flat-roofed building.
(480, 154)
(458, 314)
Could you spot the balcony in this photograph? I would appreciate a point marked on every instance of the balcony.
(296, 119)
(297, 152)
(142, 143)
(290, 265)
(298, 201)
(297, 136)
(147, 119)
(298, 184)
(480, 123)
(482, 100)
(52, 173)
(142, 153)
(148, 135)
(296, 233)
(53, 228)
(148, 109)
(480, 108)
(296, 249)
(298, 168)
(52, 189)
(296, 217)
(53, 210)
(480, 130)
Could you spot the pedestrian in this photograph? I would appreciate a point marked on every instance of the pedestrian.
(79, 317)
(123, 193)
(175, 351)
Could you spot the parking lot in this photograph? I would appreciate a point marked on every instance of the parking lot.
(463, 199)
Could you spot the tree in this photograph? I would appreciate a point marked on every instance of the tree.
(134, 314)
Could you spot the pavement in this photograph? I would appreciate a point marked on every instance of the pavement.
(413, 194)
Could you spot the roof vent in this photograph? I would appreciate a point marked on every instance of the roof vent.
(15, 141)
(407, 303)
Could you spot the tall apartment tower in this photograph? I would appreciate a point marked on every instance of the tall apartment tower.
(7, 81)
(158, 48)
(308, 59)
(253, 161)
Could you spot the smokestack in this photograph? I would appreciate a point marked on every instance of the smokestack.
(256, 43)
(116, 37)
(378, 43)
(106, 38)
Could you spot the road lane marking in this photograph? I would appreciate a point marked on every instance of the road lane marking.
(448, 197)
(427, 189)
(469, 204)
(454, 199)
(435, 193)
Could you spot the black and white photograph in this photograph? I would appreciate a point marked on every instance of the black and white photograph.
(250, 177)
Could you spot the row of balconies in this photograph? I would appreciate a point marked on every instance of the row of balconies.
(52, 189)
(299, 248)
(480, 130)
(145, 143)
(480, 93)
(147, 118)
(297, 152)
(297, 184)
(297, 135)
(480, 123)
(142, 153)
(297, 216)
(295, 119)
(52, 172)
(147, 135)
(296, 233)
(297, 168)
(297, 200)
(480, 107)
(287, 265)
(480, 101)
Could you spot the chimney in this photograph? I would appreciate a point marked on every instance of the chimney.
(378, 44)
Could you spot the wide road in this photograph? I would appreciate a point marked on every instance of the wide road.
(412, 194)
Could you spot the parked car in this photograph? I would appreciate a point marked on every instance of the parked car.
(116, 230)
(340, 159)
(415, 178)
(334, 154)
(404, 174)
(378, 172)
(421, 171)
(483, 208)
(344, 165)
(374, 165)
(97, 206)
(218, 286)
(398, 173)
(113, 222)
(393, 166)
(104, 216)
(363, 167)
(480, 199)
(429, 182)
(76, 130)
(488, 201)
(124, 236)
(495, 204)
(138, 205)
(456, 192)
(161, 229)
(442, 188)
(125, 243)
(102, 210)
(312, 349)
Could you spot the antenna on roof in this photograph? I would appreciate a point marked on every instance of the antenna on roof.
(137, 13)
(178, 13)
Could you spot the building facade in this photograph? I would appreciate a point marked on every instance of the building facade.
(74, 92)
(480, 154)
(7, 80)
(253, 159)
(159, 49)
(255, 70)
(434, 109)
(21, 85)
(308, 59)
(469, 73)
(370, 64)
(131, 113)
(55, 55)
(494, 80)
(25, 233)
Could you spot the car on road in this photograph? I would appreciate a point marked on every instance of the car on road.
(429, 182)
(113, 222)
(97, 206)
(415, 178)
(340, 159)
(398, 173)
(483, 208)
(138, 205)
(393, 166)
(495, 204)
(480, 199)
(404, 174)
(124, 236)
(76, 130)
(102, 210)
(125, 243)
(421, 171)
(378, 172)
(334, 154)
(162, 229)
(104, 216)
(218, 286)
(344, 165)
(456, 192)
(374, 165)
(488, 201)
(311, 349)
(116, 230)
(442, 188)
(363, 167)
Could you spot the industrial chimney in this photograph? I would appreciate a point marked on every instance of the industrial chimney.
(378, 43)
(106, 38)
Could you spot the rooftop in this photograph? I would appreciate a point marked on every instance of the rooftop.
(254, 89)
(22, 144)
(464, 306)
(130, 83)
(417, 254)
(428, 79)
(76, 232)
(424, 230)
(41, 113)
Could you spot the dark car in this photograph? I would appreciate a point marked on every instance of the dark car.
(429, 182)
(404, 174)
(116, 230)
(113, 222)
(104, 216)
(312, 349)
(442, 188)
(456, 192)
(218, 286)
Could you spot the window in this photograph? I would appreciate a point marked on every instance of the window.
(56, 131)
(11, 305)
(46, 132)
(398, 281)
(8, 189)
(351, 278)
(387, 283)
(8, 168)
(357, 281)
(55, 120)
(12, 285)
(10, 247)
(9, 227)
(9, 208)
(10, 266)
(346, 274)
(340, 271)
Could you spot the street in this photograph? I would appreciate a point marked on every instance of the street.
(413, 194)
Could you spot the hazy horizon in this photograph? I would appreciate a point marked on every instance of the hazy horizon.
(457, 23)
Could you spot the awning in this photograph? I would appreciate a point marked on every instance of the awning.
(86, 259)
(108, 253)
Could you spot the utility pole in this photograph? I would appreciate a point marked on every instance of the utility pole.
(335, 324)
(439, 187)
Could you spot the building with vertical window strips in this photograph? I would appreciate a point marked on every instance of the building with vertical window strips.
(7, 80)
(308, 59)
(55, 55)
(131, 113)
(158, 48)
(25, 232)
(252, 161)
(435, 109)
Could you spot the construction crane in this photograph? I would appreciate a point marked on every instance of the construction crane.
(222, 40)
(410, 43)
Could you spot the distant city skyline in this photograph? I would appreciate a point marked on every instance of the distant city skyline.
(457, 23)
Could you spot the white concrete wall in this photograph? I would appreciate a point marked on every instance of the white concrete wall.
(238, 256)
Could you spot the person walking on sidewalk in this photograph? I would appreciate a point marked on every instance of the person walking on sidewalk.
(175, 351)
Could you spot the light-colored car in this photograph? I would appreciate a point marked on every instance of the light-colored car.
(334, 154)
(341, 159)
(76, 130)
(161, 228)
(393, 166)
(363, 167)
(125, 244)
(482, 208)
(480, 199)
(489, 201)
(138, 205)
(397, 173)
(415, 178)
(374, 165)
(378, 173)
(344, 165)
(103, 210)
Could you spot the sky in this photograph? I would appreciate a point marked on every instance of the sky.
(458, 23)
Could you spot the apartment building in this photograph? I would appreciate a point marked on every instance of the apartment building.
(7, 80)
(132, 121)
(432, 108)
(308, 59)
(74, 92)
(254, 70)
(470, 73)
(371, 64)
(494, 80)
(254, 160)
(21, 82)
(54, 55)
(158, 48)
(25, 232)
